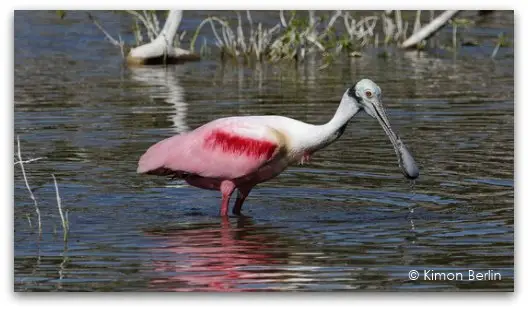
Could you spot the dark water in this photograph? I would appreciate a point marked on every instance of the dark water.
(346, 221)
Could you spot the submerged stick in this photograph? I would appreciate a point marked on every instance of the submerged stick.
(65, 225)
(29, 160)
(108, 36)
(29, 220)
(115, 42)
(495, 51)
(21, 162)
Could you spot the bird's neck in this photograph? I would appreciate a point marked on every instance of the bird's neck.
(346, 110)
(327, 133)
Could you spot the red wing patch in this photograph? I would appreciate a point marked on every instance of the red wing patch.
(240, 145)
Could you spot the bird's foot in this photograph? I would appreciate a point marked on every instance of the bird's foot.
(240, 215)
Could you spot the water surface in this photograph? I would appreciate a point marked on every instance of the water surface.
(348, 220)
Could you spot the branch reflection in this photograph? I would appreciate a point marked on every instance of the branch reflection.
(165, 85)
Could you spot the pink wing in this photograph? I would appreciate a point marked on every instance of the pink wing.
(227, 148)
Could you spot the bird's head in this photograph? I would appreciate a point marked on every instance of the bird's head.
(367, 95)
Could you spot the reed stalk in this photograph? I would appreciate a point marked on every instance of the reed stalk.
(21, 163)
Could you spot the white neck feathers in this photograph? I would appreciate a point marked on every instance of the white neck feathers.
(322, 135)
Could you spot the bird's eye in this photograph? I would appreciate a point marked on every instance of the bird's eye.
(368, 93)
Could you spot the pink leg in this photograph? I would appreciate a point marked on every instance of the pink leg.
(242, 194)
(227, 188)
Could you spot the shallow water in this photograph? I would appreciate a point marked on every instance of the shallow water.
(347, 220)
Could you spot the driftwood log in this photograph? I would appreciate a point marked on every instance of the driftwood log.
(160, 50)
(429, 29)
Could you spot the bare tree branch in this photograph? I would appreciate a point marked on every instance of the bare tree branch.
(429, 29)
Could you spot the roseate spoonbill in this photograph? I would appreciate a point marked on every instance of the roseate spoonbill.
(241, 152)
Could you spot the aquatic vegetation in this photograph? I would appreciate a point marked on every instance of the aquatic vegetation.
(120, 43)
(502, 41)
(31, 195)
(147, 22)
(64, 217)
(297, 35)
(326, 35)
(234, 42)
(163, 45)
(459, 22)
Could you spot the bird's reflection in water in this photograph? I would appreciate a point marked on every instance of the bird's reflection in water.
(213, 257)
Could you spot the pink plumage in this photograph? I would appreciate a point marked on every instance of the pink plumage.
(235, 144)
(224, 155)
(216, 150)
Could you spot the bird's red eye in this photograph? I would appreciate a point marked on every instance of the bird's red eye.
(368, 93)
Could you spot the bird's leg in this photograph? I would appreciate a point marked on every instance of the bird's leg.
(241, 196)
(306, 158)
(225, 203)
(227, 188)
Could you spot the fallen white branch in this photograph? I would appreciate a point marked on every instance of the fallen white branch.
(429, 29)
(161, 49)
